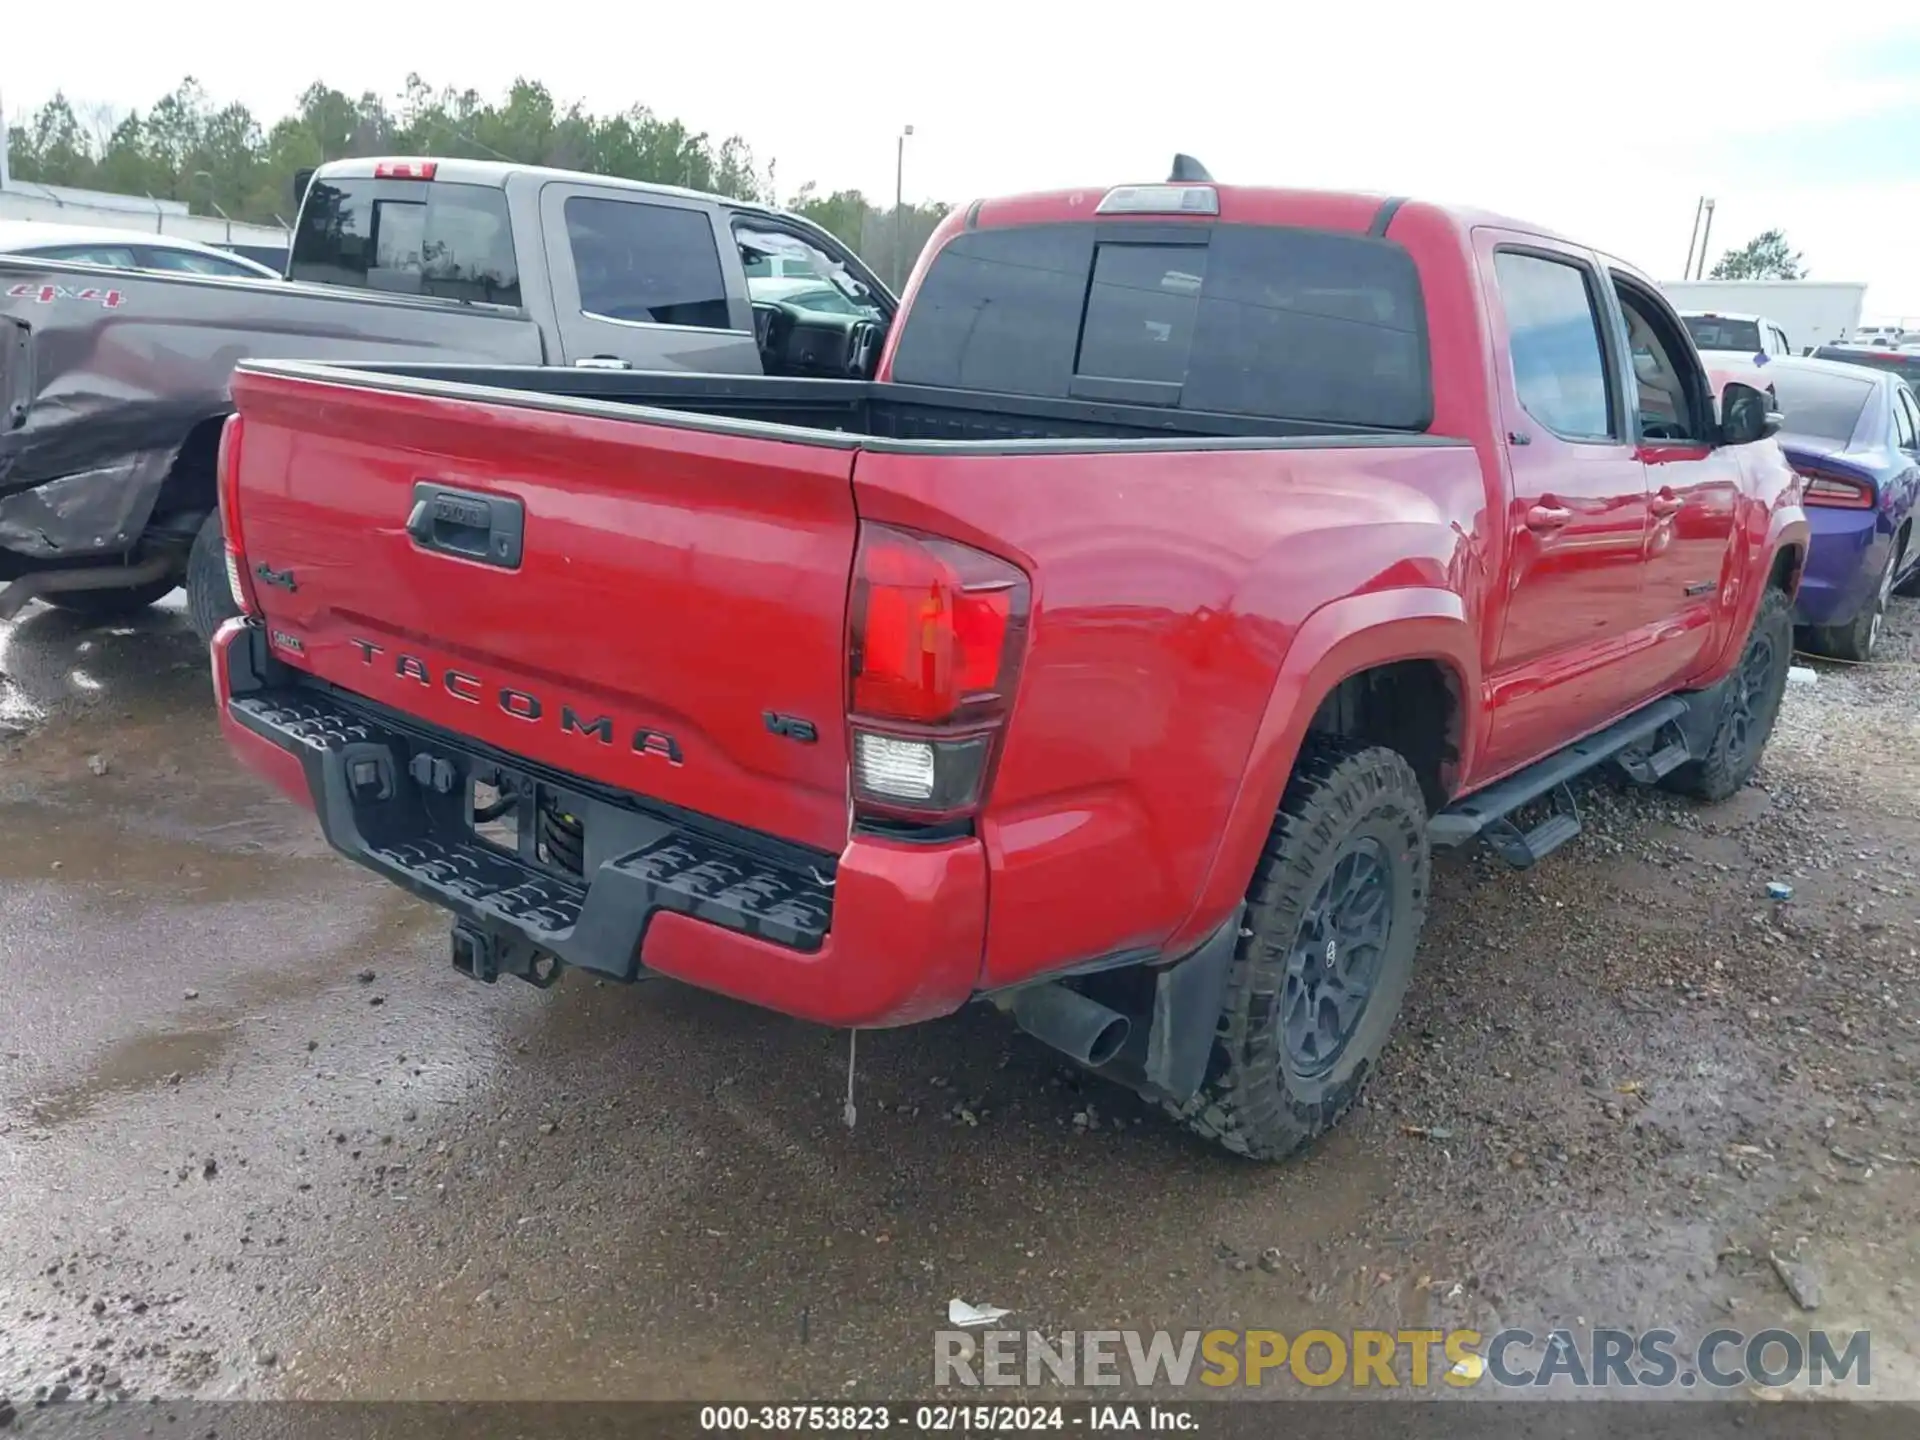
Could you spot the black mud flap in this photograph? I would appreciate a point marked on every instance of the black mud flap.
(1167, 1057)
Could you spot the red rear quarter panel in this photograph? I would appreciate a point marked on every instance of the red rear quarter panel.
(1170, 589)
(1769, 521)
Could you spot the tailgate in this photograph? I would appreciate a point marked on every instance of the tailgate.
(657, 607)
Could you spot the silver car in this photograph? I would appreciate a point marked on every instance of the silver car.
(125, 250)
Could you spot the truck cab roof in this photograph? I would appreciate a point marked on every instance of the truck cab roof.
(499, 173)
(1355, 212)
(1350, 210)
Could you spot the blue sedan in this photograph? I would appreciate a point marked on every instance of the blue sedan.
(1853, 434)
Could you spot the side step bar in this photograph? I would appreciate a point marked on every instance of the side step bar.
(1658, 758)
(1648, 744)
(1523, 848)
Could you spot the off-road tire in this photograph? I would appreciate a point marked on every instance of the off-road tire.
(1735, 751)
(1254, 1101)
(209, 596)
(113, 604)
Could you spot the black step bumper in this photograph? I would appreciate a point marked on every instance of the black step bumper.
(395, 796)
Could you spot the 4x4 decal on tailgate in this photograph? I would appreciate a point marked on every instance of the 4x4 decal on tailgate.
(47, 294)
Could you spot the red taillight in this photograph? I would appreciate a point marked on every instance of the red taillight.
(937, 634)
(227, 479)
(932, 622)
(1837, 492)
(405, 169)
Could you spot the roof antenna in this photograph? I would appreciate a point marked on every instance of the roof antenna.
(1188, 171)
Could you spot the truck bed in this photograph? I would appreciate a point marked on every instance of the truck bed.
(874, 415)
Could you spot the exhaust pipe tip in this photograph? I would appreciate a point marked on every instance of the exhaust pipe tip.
(1080, 1028)
(1110, 1041)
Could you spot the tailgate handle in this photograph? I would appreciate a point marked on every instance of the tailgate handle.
(467, 523)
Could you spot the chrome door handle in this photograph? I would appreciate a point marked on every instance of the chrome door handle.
(1548, 517)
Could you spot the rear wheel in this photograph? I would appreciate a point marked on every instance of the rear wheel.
(1908, 584)
(209, 595)
(1856, 639)
(112, 604)
(1749, 705)
(1333, 915)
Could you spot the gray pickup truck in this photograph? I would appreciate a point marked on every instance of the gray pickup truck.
(113, 383)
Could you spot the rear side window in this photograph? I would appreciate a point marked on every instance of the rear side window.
(117, 256)
(653, 264)
(408, 237)
(1251, 320)
(1823, 407)
(190, 262)
(1553, 337)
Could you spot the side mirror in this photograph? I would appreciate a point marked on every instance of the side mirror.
(1746, 415)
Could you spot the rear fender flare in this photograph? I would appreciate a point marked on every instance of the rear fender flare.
(1786, 529)
(1338, 640)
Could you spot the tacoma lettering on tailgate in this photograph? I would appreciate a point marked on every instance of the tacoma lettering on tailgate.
(520, 704)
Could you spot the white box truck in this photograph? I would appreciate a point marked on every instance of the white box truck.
(1810, 312)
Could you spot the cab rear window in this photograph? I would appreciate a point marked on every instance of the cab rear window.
(407, 237)
(1716, 332)
(1235, 319)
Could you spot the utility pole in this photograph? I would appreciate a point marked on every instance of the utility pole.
(3, 146)
(1705, 234)
(1693, 237)
(899, 208)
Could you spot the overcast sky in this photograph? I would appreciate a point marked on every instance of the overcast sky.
(1606, 123)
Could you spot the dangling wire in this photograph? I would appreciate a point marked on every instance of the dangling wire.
(850, 1114)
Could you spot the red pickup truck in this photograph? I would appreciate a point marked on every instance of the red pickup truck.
(1193, 560)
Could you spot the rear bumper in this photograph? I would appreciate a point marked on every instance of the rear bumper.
(1844, 559)
(888, 934)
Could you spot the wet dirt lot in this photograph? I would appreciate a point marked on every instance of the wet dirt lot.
(258, 1138)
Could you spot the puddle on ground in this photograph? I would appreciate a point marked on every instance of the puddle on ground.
(113, 855)
(140, 1062)
(151, 1059)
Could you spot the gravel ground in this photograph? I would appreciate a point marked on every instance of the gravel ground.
(257, 1138)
